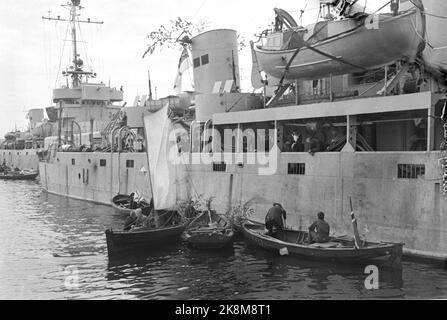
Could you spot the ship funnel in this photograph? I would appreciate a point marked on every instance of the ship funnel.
(216, 61)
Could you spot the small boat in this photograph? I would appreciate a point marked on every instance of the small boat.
(341, 249)
(238, 227)
(121, 204)
(209, 231)
(340, 46)
(125, 241)
(19, 175)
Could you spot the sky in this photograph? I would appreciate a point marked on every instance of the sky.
(30, 48)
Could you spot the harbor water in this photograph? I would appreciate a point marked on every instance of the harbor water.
(54, 248)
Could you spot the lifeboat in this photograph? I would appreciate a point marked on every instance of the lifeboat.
(344, 46)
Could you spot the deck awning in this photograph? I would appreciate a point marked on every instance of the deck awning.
(408, 102)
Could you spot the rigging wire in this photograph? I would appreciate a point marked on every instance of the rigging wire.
(302, 12)
(200, 8)
(84, 45)
(47, 58)
(61, 57)
(427, 13)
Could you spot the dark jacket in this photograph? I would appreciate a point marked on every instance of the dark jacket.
(276, 214)
(297, 146)
(129, 223)
(322, 229)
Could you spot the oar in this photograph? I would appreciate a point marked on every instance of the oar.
(358, 242)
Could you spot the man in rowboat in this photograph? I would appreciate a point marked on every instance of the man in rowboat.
(274, 218)
(130, 221)
(319, 230)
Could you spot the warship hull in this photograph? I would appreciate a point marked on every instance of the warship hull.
(390, 209)
(23, 159)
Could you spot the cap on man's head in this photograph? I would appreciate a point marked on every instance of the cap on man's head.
(321, 215)
(277, 204)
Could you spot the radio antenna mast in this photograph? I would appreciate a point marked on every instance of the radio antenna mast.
(75, 70)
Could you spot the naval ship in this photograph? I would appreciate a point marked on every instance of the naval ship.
(21, 149)
(351, 107)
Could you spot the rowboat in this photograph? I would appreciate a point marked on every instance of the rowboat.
(125, 241)
(121, 204)
(339, 249)
(26, 175)
(238, 227)
(341, 46)
(209, 231)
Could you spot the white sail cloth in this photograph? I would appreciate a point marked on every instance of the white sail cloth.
(162, 171)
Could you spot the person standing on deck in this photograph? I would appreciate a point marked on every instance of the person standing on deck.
(297, 143)
(275, 218)
(314, 140)
(319, 230)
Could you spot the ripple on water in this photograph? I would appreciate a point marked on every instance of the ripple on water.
(48, 239)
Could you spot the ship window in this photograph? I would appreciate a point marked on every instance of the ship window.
(73, 161)
(257, 137)
(219, 167)
(392, 131)
(196, 62)
(18, 153)
(225, 138)
(318, 135)
(296, 169)
(102, 162)
(130, 163)
(27, 153)
(205, 59)
(410, 171)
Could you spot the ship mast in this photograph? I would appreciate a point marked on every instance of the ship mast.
(75, 70)
(73, 13)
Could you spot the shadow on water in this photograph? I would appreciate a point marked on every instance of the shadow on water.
(328, 279)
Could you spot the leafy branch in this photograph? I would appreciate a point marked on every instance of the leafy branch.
(179, 32)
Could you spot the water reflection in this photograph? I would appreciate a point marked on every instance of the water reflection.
(44, 236)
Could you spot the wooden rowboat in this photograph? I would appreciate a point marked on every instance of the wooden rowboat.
(293, 243)
(125, 241)
(27, 175)
(121, 204)
(209, 231)
(341, 46)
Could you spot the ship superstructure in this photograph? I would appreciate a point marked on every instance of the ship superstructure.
(20, 149)
(83, 108)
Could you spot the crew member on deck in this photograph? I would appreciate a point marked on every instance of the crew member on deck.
(314, 140)
(275, 218)
(319, 230)
(297, 143)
